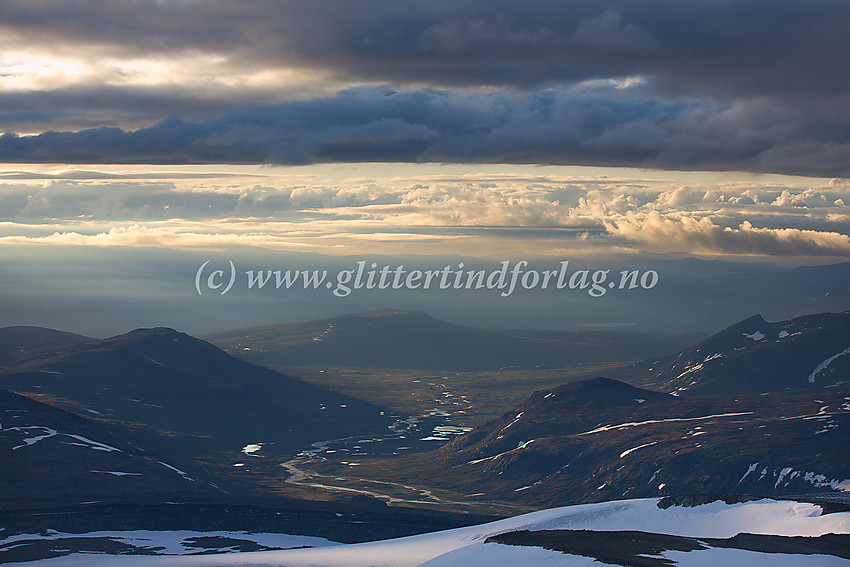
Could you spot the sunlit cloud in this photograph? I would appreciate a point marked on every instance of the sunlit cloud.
(540, 211)
(667, 234)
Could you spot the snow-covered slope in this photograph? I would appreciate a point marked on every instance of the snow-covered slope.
(468, 547)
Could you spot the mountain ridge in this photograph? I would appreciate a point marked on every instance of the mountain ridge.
(753, 356)
(20, 339)
(412, 339)
(602, 439)
(191, 403)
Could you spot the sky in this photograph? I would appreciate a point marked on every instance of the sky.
(473, 130)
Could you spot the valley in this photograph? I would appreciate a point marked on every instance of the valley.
(351, 451)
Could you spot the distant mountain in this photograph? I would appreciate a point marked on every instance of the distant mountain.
(602, 440)
(185, 400)
(712, 294)
(405, 339)
(17, 340)
(806, 354)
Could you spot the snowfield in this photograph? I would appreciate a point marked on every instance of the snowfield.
(466, 547)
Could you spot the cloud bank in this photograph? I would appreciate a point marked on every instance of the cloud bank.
(548, 127)
(745, 47)
(429, 209)
(744, 86)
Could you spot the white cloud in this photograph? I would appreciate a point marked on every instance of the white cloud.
(702, 235)
(342, 209)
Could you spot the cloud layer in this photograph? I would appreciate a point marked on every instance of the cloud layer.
(597, 127)
(746, 85)
(430, 210)
(744, 47)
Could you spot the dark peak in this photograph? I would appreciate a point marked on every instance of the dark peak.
(601, 390)
(29, 329)
(840, 318)
(598, 383)
(145, 334)
(362, 503)
(748, 325)
(392, 320)
(394, 313)
(153, 338)
(380, 316)
(153, 332)
(756, 323)
(25, 334)
(756, 319)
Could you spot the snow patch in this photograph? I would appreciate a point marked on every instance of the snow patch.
(820, 481)
(783, 473)
(668, 420)
(94, 444)
(757, 336)
(516, 419)
(118, 473)
(47, 433)
(624, 453)
(252, 448)
(823, 365)
(751, 468)
(178, 471)
(520, 447)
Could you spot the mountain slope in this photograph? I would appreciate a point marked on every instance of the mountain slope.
(183, 398)
(53, 456)
(602, 439)
(17, 340)
(403, 339)
(806, 354)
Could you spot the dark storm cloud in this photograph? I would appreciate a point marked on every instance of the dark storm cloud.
(94, 105)
(701, 84)
(601, 127)
(744, 47)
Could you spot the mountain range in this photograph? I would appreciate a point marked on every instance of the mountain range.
(156, 416)
(602, 439)
(805, 354)
(414, 340)
(160, 395)
(737, 412)
(16, 340)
